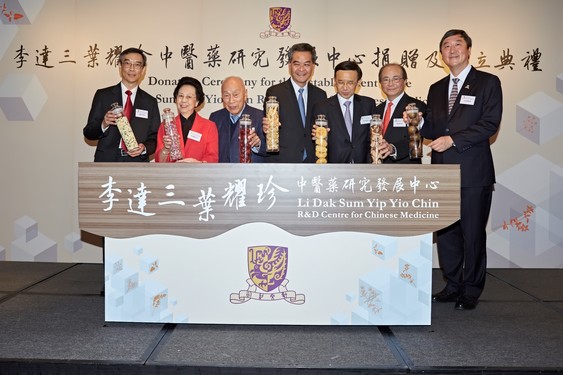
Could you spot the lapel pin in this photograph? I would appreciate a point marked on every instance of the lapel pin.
(467, 87)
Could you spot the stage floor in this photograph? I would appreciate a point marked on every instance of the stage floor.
(52, 322)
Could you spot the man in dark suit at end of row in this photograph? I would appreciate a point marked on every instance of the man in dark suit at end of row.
(144, 117)
(464, 111)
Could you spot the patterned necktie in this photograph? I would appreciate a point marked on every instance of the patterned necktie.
(301, 105)
(348, 118)
(453, 95)
(387, 117)
(127, 110)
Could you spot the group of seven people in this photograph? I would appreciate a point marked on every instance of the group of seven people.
(462, 112)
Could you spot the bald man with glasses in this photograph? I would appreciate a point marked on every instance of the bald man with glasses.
(392, 79)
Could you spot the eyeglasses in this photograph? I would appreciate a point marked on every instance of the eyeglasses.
(136, 65)
(388, 80)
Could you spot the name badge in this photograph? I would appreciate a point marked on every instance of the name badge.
(142, 113)
(467, 100)
(364, 120)
(194, 136)
(398, 123)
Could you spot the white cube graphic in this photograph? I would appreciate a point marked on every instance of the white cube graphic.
(149, 264)
(26, 227)
(559, 83)
(125, 281)
(338, 320)
(8, 34)
(20, 12)
(38, 249)
(384, 248)
(113, 264)
(22, 97)
(73, 243)
(156, 297)
(538, 118)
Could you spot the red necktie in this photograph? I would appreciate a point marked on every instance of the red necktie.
(127, 110)
(387, 117)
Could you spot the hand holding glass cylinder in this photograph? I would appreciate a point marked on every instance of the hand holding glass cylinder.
(273, 117)
(124, 127)
(376, 137)
(245, 150)
(171, 131)
(321, 139)
(415, 140)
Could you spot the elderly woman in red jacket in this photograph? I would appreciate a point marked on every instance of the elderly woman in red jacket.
(198, 136)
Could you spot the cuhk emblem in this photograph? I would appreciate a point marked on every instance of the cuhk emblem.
(280, 18)
(267, 266)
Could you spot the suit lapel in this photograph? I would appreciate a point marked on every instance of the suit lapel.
(340, 125)
(468, 85)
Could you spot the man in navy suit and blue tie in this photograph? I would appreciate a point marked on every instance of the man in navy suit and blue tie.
(464, 111)
(348, 115)
(296, 97)
(227, 119)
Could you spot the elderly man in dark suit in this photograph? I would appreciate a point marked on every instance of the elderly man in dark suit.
(227, 119)
(392, 78)
(296, 97)
(144, 114)
(464, 112)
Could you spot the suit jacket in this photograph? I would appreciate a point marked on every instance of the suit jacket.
(202, 142)
(294, 136)
(228, 134)
(470, 125)
(145, 120)
(342, 149)
(398, 136)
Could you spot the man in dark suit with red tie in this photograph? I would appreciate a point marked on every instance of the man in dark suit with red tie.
(464, 111)
(296, 97)
(348, 115)
(140, 108)
(392, 78)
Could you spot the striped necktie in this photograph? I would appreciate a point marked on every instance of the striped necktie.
(453, 95)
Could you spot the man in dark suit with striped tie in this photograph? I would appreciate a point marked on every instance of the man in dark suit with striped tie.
(464, 111)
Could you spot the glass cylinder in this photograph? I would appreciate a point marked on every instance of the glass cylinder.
(273, 116)
(245, 150)
(415, 140)
(321, 139)
(124, 127)
(171, 131)
(375, 138)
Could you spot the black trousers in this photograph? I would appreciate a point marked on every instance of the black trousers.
(462, 246)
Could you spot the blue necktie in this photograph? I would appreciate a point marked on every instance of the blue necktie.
(234, 118)
(301, 105)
